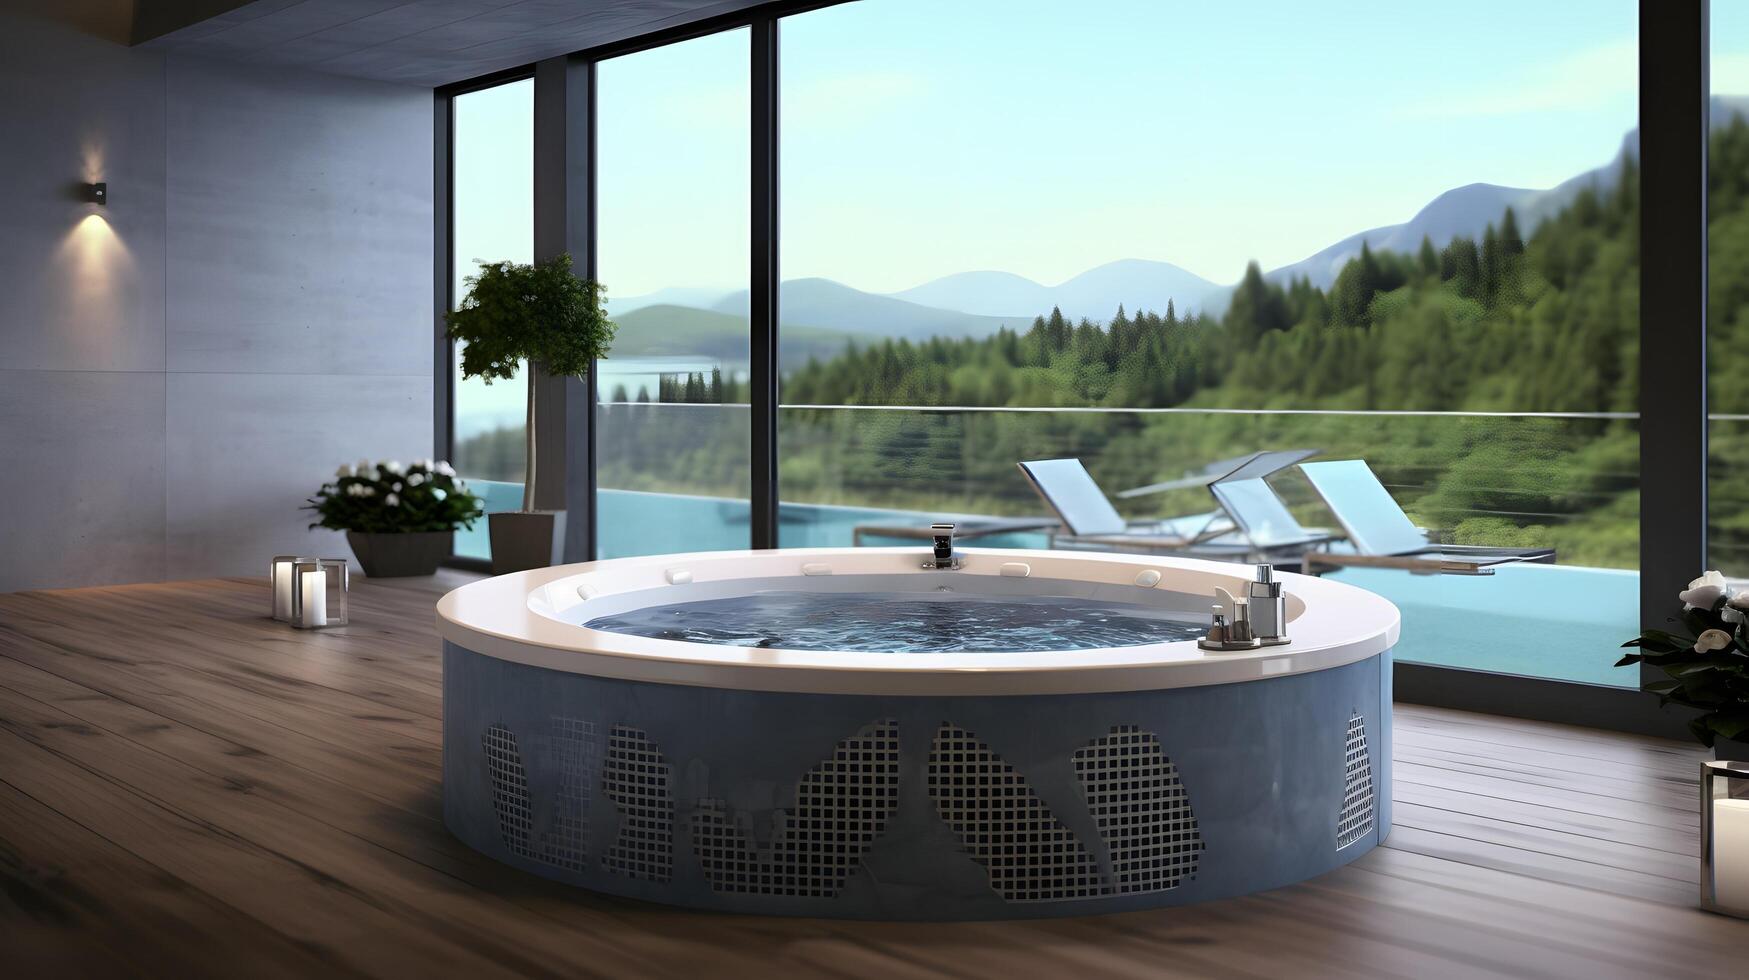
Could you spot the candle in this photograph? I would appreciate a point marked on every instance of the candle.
(1731, 854)
(282, 588)
(314, 585)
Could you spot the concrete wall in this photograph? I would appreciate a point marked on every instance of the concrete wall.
(181, 368)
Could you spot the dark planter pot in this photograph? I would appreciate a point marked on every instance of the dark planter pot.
(384, 555)
(1730, 750)
(522, 540)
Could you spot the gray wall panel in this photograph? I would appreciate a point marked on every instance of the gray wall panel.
(180, 369)
(300, 230)
(245, 450)
(83, 286)
(84, 454)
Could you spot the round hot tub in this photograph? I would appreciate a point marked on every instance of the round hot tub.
(849, 733)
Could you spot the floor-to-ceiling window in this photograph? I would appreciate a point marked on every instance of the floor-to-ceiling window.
(492, 220)
(672, 249)
(1153, 237)
(1158, 236)
(1728, 290)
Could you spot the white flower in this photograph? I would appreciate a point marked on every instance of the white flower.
(425, 463)
(443, 468)
(366, 490)
(364, 466)
(343, 472)
(1706, 591)
(415, 479)
(352, 489)
(1731, 614)
(394, 501)
(396, 486)
(392, 466)
(1712, 640)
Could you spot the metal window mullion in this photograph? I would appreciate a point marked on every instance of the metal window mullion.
(581, 541)
(764, 283)
(1674, 116)
(442, 275)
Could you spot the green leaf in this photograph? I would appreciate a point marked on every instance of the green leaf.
(544, 313)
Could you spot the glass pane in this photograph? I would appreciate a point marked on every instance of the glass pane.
(493, 221)
(673, 426)
(1728, 292)
(1014, 237)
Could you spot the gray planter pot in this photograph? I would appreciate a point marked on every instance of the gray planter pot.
(1730, 750)
(526, 539)
(400, 555)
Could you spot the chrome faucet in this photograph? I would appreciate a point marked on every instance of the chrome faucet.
(1268, 607)
(943, 559)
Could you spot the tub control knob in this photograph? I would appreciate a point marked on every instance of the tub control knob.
(1227, 635)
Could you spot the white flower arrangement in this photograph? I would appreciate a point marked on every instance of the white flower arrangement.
(1705, 660)
(390, 496)
(1706, 591)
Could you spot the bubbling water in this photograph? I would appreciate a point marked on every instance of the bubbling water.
(893, 622)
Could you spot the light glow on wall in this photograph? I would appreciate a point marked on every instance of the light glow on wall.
(97, 271)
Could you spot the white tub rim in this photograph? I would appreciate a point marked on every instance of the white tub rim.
(514, 618)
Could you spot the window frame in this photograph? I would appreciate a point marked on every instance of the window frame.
(1673, 110)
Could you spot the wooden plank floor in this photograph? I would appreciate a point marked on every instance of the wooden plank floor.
(189, 789)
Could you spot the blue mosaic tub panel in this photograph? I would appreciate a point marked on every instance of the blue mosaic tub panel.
(916, 807)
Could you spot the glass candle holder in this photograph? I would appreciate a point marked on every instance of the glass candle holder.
(318, 595)
(282, 584)
(1724, 837)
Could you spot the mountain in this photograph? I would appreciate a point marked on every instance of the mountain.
(1468, 210)
(1095, 294)
(987, 293)
(833, 306)
(1138, 284)
(666, 330)
(975, 304)
(699, 298)
(1464, 210)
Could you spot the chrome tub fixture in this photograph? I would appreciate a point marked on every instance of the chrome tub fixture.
(1256, 619)
(1724, 837)
(942, 558)
(1231, 627)
(318, 595)
(1268, 607)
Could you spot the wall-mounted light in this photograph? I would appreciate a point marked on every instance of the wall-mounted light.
(97, 193)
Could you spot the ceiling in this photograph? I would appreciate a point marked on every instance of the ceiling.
(419, 42)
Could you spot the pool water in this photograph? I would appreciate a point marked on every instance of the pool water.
(1563, 622)
(888, 622)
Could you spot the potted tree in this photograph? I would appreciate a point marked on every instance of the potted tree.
(399, 519)
(1706, 664)
(545, 316)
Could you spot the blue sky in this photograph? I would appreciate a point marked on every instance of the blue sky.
(923, 138)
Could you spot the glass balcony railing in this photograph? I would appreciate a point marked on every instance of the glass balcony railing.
(1569, 482)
